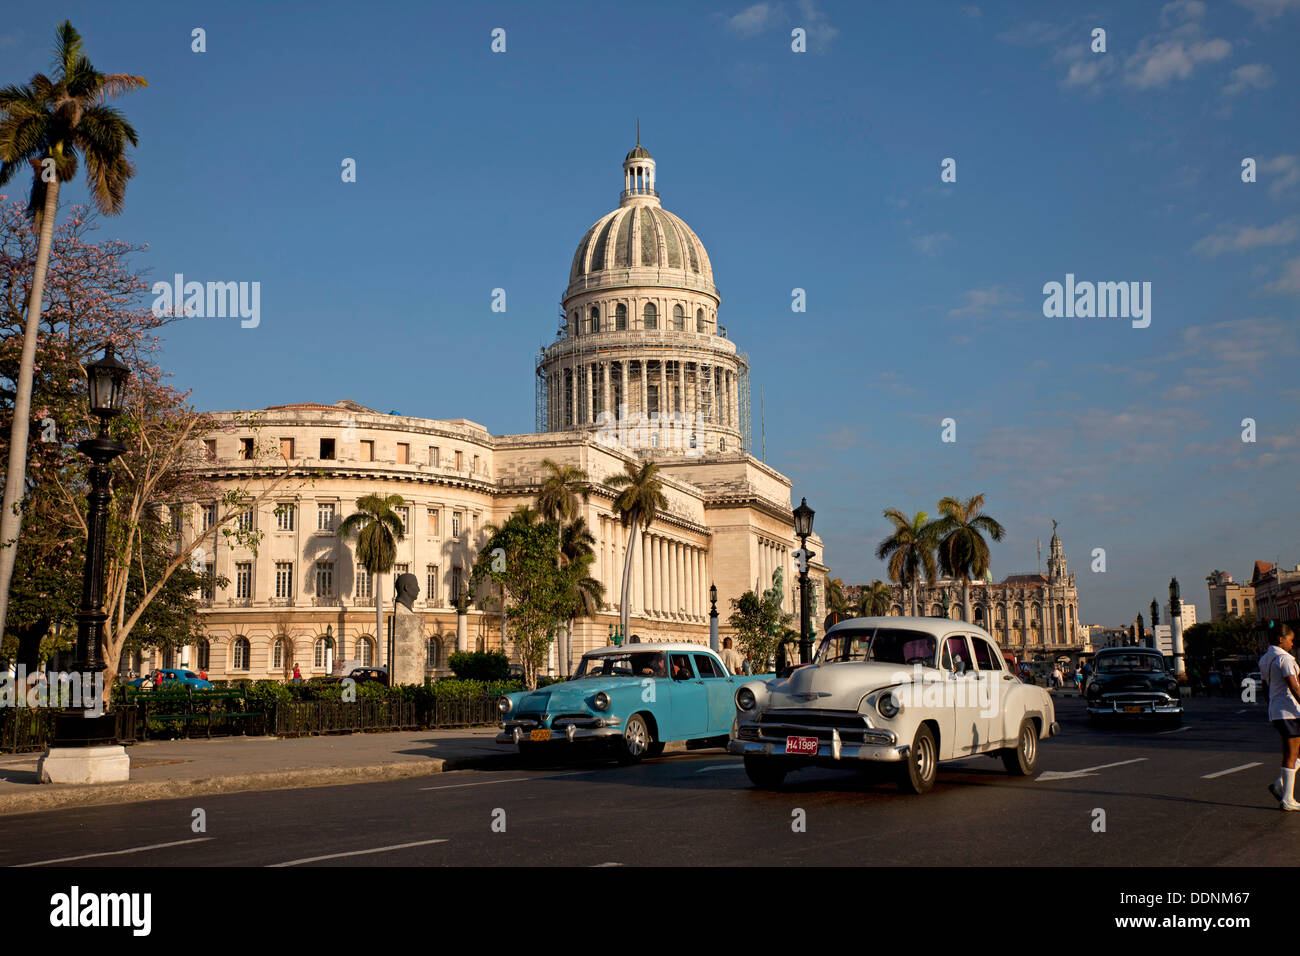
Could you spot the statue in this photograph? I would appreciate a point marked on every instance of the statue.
(407, 659)
(408, 589)
(777, 591)
(1053, 527)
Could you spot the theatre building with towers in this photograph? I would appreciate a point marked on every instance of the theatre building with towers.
(641, 367)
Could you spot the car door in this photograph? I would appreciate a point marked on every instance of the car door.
(719, 688)
(690, 700)
(994, 682)
(968, 735)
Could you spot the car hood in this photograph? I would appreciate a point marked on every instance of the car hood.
(1117, 683)
(837, 686)
(570, 696)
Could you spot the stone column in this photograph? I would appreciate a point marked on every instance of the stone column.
(647, 589)
(623, 373)
(662, 575)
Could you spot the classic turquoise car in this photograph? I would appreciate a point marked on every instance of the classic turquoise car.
(634, 698)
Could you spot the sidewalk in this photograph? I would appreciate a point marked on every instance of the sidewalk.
(161, 770)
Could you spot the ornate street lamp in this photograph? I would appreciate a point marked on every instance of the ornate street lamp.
(803, 524)
(713, 617)
(85, 748)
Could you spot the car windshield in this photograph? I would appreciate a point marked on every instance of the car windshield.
(639, 664)
(885, 644)
(1135, 663)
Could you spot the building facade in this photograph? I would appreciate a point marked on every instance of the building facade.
(1277, 591)
(1034, 615)
(1227, 597)
(641, 369)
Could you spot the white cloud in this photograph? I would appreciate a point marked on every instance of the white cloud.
(752, 20)
(982, 301)
(1284, 172)
(1268, 9)
(1157, 62)
(929, 244)
(1248, 237)
(1251, 76)
(971, 11)
(1288, 283)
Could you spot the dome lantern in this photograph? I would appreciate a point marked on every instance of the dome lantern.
(639, 175)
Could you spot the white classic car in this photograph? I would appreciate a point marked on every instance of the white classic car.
(911, 691)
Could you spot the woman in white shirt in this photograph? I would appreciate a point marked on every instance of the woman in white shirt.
(1281, 675)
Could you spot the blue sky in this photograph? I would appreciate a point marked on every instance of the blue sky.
(818, 171)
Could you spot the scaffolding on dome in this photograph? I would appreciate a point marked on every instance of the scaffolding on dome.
(742, 389)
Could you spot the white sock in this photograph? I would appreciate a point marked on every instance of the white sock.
(1277, 784)
(1288, 785)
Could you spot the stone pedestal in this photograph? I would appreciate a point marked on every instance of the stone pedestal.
(409, 651)
(103, 764)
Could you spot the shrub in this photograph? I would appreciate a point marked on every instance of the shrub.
(480, 665)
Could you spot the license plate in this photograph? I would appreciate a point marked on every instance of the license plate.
(1132, 710)
(801, 745)
(539, 735)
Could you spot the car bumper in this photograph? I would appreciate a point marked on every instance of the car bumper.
(882, 748)
(1134, 708)
(517, 732)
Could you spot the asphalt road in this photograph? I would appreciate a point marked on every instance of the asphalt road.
(1185, 797)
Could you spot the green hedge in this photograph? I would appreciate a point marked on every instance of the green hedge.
(480, 665)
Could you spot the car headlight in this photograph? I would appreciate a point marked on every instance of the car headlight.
(745, 699)
(600, 701)
(505, 705)
(888, 705)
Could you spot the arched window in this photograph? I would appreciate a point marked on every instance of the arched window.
(699, 320)
(242, 651)
(435, 653)
(679, 319)
(595, 319)
(620, 317)
(650, 316)
(204, 654)
(324, 653)
(366, 651)
(277, 654)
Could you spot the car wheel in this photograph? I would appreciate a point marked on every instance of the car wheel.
(1022, 759)
(765, 773)
(637, 740)
(922, 764)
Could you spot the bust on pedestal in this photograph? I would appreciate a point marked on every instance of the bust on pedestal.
(406, 665)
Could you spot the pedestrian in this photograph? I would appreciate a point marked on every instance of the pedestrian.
(1214, 683)
(297, 674)
(730, 657)
(1279, 673)
(203, 673)
(1056, 677)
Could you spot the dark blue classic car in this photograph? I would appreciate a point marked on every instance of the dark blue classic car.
(1132, 683)
(633, 698)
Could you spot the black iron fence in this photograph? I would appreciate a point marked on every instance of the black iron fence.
(298, 718)
(27, 729)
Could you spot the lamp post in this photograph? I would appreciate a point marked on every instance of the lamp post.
(803, 523)
(85, 748)
(1176, 629)
(713, 618)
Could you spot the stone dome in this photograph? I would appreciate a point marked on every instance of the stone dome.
(643, 236)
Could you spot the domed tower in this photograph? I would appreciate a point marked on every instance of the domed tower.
(639, 357)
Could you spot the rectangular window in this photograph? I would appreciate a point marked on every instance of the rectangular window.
(433, 456)
(431, 585)
(404, 515)
(209, 516)
(367, 450)
(403, 453)
(284, 515)
(286, 449)
(460, 461)
(325, 516)
(209, 588)
(284, 579)
(177, 513)
(476, 464)
(210, 449)
(432, 515)
(246, 449)
(455, 524)
(455, 583)
(362, 589)
(246, 520)
(244, 579)
(324, 578)
(327, 449)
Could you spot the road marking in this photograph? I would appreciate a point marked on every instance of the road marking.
(484, 783)
(1086, 771)
(599, 865)
(335, 856)
(134, 849)
(1224, 773)
(722, 766)
(1176, 730)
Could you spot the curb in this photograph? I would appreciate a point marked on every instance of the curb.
(42, 797)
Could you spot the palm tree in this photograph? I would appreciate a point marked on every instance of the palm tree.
(836, 602)
(963, 552)
(640, 497)
(377, 529)
(564, 490)
(583, 594)
(55, 119)
(874, 600)
(909, 550)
